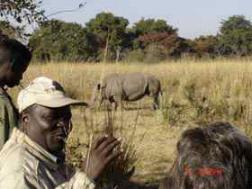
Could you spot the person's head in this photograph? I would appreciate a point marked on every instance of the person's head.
(14, 60)
(217, 156)
(45, 114)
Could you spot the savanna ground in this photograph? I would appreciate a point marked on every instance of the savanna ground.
(194, 93)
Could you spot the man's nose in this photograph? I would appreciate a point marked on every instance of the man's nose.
(66, 126)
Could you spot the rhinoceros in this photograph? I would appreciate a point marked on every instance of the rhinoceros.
(116, 88)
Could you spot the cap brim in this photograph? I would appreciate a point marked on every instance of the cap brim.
(61, 102)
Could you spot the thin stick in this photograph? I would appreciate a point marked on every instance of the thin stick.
(89, 151)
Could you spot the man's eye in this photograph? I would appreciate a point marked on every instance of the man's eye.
(48, 117)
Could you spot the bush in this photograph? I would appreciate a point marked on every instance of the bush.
(155, 53)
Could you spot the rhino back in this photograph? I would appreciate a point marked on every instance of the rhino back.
(134, 86)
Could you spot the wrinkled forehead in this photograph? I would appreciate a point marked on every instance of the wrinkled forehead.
(43, 111)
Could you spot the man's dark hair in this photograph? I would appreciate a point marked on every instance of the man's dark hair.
(217, 156)
(19, 53)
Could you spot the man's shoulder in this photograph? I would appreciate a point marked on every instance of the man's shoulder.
(12, 157)
(11, 166)
(3, 99)
(5, 102)
(12, 170)
(15, 158)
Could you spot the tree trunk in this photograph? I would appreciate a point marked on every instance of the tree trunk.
(118, 52)
(106, 48)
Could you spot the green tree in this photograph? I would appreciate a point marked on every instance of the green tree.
(111, 32)
(158, 40)
(205, 45)
(21, 10)
(146, 26)
(235, 36)
(234, 23)
(163, 45)
(7, 29)
(151, 31)
(58, 40)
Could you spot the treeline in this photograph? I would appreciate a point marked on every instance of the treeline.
(109, 38)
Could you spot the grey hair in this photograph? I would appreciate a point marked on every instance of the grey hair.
(218, 146)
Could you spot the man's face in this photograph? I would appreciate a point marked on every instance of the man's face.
(50, 127)
(14, 73)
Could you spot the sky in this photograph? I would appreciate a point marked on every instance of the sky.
(192, 18)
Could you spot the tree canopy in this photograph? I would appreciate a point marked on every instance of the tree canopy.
(111, 32)
(237, 22)
(146, 26)
(109, 37)
(22, 10)
(235, 36)
(7, 29)
(58, 40)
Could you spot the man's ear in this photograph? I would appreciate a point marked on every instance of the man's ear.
(24, 120)
(25, 117)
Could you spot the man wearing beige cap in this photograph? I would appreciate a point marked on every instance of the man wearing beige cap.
(33, 157)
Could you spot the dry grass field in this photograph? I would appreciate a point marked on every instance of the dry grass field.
(194, 93)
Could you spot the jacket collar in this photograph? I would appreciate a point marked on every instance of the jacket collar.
(35, 149)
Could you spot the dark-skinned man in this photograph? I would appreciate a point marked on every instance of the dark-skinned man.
(33, 157)
(14, 60)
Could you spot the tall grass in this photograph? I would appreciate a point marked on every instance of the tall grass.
(122, 168)
(193, 93)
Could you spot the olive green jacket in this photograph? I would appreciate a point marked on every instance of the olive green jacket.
(8, 117)
(26, 165)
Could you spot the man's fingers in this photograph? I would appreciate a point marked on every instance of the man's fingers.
(112, 156)
(105, 143)
(108, 149)
(99, 140)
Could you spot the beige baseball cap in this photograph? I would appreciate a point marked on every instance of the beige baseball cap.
(45, 92)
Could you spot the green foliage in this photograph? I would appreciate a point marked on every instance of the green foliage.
(146, 26)
(158, 40)
(111, 32)
(22, 10)
(205, 46)
(235, 37)
(107, 38)
(136, 55)
(169, 45)
(235, 22)
(7, 29)
(155, 53)
(58, 40)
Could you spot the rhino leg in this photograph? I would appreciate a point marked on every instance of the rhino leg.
(120, 104)
(117, 102)
(115, 105)
(108, 104)
(156, 101)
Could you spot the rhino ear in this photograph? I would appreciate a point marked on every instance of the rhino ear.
(98, 86)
